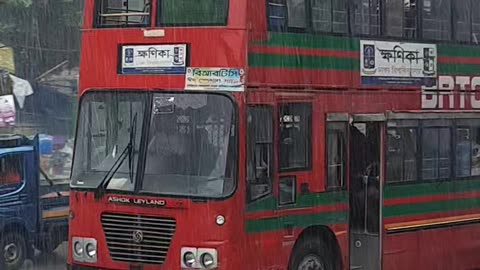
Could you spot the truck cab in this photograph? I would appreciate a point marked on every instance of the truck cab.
(32, 215)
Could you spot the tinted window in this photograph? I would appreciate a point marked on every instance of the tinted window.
(329, 15)
(462, 19)
(366, 17)
(336, 154)
(296, 14)
(277, 15)
(436, 15)
(11, 170)
(401, 155)
(122, 13)
(467, 151)
(260, 152)
(435, 153)
(192, 12)
(295, 136)
(475, 7)
(400, 18)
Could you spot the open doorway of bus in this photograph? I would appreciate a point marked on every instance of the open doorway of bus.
(30, 216)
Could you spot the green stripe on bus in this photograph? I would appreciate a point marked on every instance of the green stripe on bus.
(299, 221)
(309, 200)
(459, 51)
(302, 62)
(390, 192)
(327, 218)
(430, 207)
(433, 188)
(311, 41)
(459, 69)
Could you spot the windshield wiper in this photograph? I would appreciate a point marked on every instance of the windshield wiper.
(127, 152)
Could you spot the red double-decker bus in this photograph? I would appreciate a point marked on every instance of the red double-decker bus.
(277, 135)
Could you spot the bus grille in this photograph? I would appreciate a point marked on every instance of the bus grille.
(138, 239)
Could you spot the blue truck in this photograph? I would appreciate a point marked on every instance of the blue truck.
(34, 211)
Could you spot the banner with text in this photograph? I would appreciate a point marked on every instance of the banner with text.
(226, 79)
(397, 63)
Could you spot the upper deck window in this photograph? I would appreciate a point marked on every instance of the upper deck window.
(192, 12)
(122, 13)
(436, 19)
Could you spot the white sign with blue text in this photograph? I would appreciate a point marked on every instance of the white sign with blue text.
(154, 59)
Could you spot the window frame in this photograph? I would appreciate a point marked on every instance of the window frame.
(419, 27)
(12, 187)
(271, 110)
(345, 153)
(158, 18)
(308, 138)
(96, 17)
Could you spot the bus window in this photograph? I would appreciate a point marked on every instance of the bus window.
(467, 155)
(435, 153)
(401, 155)
(336, 154)
(10, 170)
(329, 16)
(260, 152)
(436, 19)
(400, 18)
(295, 136)
(462, 19)
(296, 14)
(475, 8)
(122, 13)
(192, 12)
(366, 17)
(276, 15)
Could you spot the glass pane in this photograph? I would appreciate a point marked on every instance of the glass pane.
(340, 15)
(444, 153)
(463, 152)
(276, 15)
(109, 123)
(394, 18)
(322, 15)
(296, 14)
(193, 12)
(295, 136)
(436, 19)
(11, 170)
(410, 19)
(475, 151)
(190, 148)
(366, 17)
(336, 156)
(112, 13)
(430, 153)
(475, 7)
(461, 16)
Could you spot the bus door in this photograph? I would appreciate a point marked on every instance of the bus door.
(365, 191)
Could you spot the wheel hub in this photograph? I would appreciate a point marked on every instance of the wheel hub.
(311, 262)
(10, 252)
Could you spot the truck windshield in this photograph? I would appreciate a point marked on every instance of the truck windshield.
(189, 149)
(103, 132)
(192, 12)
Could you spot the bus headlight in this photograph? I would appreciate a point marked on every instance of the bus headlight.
(78, 248)
(189, 259)
(207, 260)
(199, 258)
(84, 249)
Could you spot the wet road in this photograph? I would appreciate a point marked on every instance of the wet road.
(54, 261)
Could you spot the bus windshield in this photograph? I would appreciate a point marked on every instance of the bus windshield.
(192, 12)
(104, 130)
(188, 146)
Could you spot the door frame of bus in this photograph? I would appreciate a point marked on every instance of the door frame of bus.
(380, 121)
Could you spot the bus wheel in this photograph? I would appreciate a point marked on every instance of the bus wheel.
(13, 250)
(311, 254)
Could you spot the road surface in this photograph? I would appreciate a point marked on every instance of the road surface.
(54, 261)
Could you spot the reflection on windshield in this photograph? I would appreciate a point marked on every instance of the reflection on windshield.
(190, 146)
(104, 128)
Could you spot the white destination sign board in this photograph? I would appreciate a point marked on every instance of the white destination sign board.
(154, 59)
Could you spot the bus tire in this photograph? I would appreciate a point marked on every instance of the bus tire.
(13, 250)
(312, 253)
